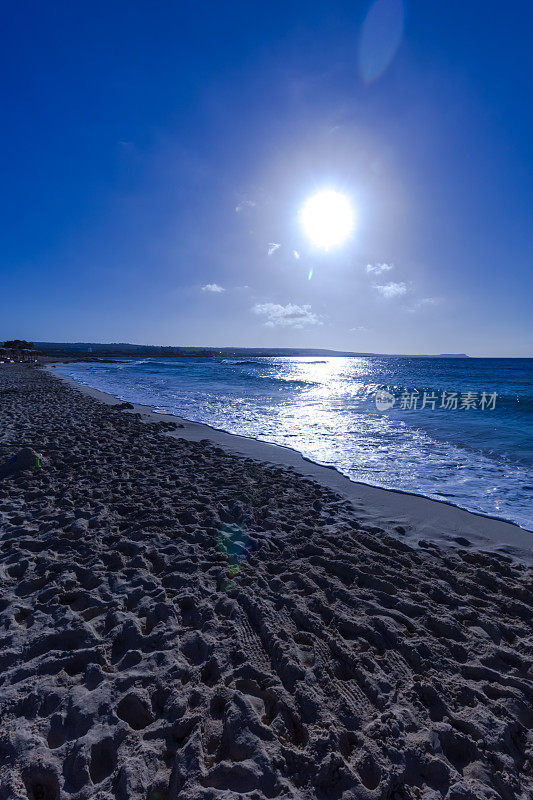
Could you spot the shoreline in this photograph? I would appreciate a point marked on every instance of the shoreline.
(406, 515)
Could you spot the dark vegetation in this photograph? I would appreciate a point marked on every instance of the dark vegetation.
(19, 344)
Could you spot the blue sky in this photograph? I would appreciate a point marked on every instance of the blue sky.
(153, 153)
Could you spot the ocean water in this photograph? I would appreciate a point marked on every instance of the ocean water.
(467, 441)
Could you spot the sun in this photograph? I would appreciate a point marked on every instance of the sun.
(328, 218)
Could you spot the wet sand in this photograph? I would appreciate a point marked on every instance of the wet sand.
(179, 620)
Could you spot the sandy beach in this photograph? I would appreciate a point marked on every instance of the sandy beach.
(189, 615)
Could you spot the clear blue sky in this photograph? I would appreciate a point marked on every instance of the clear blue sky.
(154, 152)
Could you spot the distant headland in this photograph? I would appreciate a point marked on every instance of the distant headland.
(88, 350)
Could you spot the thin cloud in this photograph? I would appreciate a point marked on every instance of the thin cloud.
(244, 204)
(213, 287)
(272, 247)
(377, 269)
(391, 289)
(290, 315)
(426, 302)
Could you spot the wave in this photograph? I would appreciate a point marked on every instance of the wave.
(237, 361)
(263, 361)
(154, 363)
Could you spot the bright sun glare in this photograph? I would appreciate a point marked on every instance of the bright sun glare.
(328, 218)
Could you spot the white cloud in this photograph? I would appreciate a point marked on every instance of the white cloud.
(244, 204)
(377, 269)
(272, 247)
(289, 315)
(296, 254)
(358, 329)
(391, 289)
(212, 287)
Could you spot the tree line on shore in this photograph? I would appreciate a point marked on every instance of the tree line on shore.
(18, 344)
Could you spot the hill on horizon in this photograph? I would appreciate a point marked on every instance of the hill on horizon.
(127, 349)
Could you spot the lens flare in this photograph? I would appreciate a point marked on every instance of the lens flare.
(380, 38)
(328, 218)
(235, 544)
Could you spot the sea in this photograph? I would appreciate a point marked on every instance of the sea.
(459, 430)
